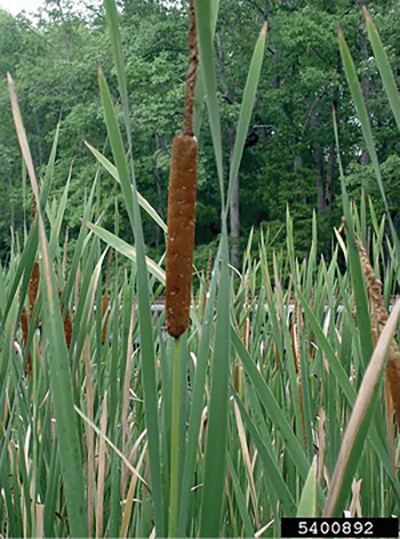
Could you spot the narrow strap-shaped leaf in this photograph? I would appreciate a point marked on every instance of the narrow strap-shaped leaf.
(200, 84)
(246, 109)
(307, 505)
(115, 36)
(204, 17)
(384, 67)
(214, 478)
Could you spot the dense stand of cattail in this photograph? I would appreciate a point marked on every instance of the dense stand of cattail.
(182, 205)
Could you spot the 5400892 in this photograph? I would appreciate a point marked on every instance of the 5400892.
(339, 527)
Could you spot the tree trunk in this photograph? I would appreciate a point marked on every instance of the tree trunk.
(67, 42)
(11, 201)
(39, 139)
(318, 158)
(297, 162)
(332, 149)
(319, 182)
(329, 177)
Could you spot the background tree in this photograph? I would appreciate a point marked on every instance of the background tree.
(290, 156)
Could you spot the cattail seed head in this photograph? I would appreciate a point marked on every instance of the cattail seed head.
(67, 322)
(33, 286)
(68, 329)
(24, 327)
(379, 318)
(181, 226)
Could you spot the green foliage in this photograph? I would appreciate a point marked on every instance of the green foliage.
(53, 61)
(361, 178)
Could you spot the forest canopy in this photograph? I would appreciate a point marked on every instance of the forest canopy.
(290, 153)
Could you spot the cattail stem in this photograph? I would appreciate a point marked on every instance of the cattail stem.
(191, 73)
(175, 439)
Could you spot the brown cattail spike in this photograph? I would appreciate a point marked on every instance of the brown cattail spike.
(67, 322)
(33, 287)
(181, 221)
(182, 203)
(24, 326)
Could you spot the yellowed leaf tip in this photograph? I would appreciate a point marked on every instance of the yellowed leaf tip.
(264, 29)
(366, 15)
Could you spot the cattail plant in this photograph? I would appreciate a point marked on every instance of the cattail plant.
(182, 204)
(180, 245)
